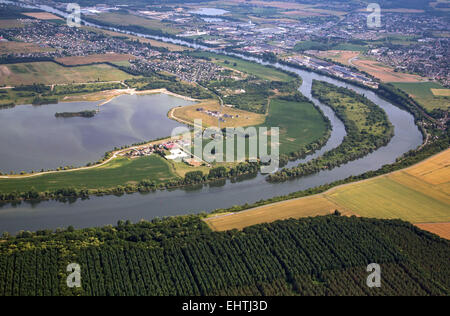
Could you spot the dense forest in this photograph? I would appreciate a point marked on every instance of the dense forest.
(182, 256)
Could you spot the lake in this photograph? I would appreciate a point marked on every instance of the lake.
(32, 137)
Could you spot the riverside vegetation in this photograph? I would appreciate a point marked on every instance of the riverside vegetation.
(367, 126)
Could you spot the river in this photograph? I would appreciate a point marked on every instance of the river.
(99, 211)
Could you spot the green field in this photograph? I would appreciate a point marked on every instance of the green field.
(255, 69)
(421, 92)
(300, 124)
(351, 47)
(51, 73)
(121, 171)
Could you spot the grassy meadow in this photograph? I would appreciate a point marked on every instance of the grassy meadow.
(125, 19)
(422, 92)
(121, 171)
(50, 73)
(300, 123)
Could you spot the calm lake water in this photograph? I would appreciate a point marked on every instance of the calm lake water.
(32, 137)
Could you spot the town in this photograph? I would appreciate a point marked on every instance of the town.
(409, 42)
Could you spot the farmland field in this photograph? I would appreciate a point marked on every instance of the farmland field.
(9, 24)
(98, 58)
(129, 19)
(441, 92)
(50, 73)
(121, 171)
(420, 194)
(305, 207)
(423, 93)
(383, 72)
(340, 56)
(387, 197)
(300, 124)
(42, 15)
(21, 47)
(440, 229)
(190, 113)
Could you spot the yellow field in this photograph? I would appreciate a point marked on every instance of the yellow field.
(420, 194)
(305, 207)
(386, 197)
(441, 92)
(50, 73)
(189, 113)
(341, 56)
(435, 170)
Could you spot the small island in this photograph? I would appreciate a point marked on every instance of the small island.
(86, 114)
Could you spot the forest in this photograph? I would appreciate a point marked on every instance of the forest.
(182, 256)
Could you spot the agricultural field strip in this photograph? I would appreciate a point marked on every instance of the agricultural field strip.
(295, 207)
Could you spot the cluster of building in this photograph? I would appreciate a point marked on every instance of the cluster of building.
(68, 41)
(140, 152)
(428, 58)
(179, 150)
(184, 67)
(221, 116)
(332, 69)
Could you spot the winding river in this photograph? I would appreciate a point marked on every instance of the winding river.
(99, 211)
